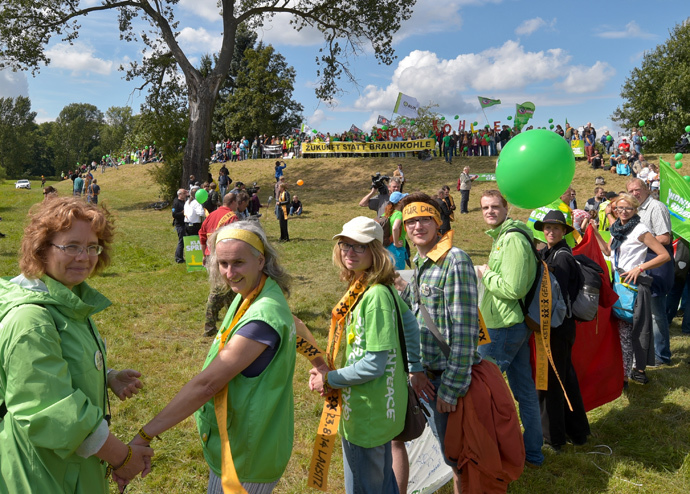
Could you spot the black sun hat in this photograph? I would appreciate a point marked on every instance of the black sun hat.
(554, 217)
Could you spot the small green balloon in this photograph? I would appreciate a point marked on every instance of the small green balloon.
(411, 122)
(314, 131)
(687, 128)
(641, 123)
(443, 118)
(201, 196)
(154, 143)
(550, 120)
(678, 165)
(403, 121)
(551, 126)
(457, 116)
(679, 156)
(609, 137)
(687, 178)
(465, 149)
(487, 126)
(475, 124)
(509, 117)
(644, 138)
(384, 127)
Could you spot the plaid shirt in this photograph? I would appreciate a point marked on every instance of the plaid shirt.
(448, 290)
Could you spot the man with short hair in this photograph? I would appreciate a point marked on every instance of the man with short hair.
(593, 203)
(379, 202)
(217, 299)
(92, 192)
(464, 186)
(445, 285)
(178, 223)
(78, 186)
(655, 216)
(507, 278)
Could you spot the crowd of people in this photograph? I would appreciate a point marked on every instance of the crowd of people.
(425, 332)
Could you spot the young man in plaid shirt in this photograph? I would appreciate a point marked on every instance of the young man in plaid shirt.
(446, 285)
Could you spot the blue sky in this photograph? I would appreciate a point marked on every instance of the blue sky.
(569, 59)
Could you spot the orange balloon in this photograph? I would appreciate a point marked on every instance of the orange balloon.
(300, 182)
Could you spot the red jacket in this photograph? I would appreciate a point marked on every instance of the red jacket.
(483, 435)
(210, 224)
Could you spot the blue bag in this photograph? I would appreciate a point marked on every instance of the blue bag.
(624, 307)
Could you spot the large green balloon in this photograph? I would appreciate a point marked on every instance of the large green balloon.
(609, 137)
(678, 165)
(201, 196)
(679, 156)
(641, 123)
(550, 120)
(687, 128)
(535, 168)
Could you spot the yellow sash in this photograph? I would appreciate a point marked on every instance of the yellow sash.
(230, 480)
(330, 416)
(542, 337)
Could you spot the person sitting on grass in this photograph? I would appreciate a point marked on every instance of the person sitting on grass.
(295, 206)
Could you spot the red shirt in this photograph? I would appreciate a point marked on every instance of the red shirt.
(211, 224)
(624, 147)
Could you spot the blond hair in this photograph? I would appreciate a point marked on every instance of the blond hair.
(381, 271)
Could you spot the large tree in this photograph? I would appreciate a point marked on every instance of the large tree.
(27, 26)
(16, 127)
(658, 92)
(261, 101)
(76, 135)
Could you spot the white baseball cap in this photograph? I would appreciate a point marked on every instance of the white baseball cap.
(362, 229)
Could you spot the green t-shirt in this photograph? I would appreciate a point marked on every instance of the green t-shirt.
(446, 140)
(374, 412)
(397, 215)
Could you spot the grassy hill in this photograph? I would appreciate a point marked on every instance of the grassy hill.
(157, 317)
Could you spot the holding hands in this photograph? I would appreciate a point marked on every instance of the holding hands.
(124, 383)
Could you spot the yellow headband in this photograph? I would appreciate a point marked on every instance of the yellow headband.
(244, 235)
(415, 209)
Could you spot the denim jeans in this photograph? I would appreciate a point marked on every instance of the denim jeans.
(448, 153)
(368, 470)
(509, 348)
(662, 341)
(438, 423)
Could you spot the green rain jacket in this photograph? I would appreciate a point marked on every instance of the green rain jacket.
(52, 383)
(512, 267)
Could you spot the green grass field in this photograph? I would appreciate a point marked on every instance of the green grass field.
(157, 318)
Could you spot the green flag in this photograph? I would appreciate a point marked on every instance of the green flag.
(523, 112)
(487, 102)
(675, 193)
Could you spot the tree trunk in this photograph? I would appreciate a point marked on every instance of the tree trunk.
(197, 153)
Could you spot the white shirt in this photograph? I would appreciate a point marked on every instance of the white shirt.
(193, 212)
(632, 252)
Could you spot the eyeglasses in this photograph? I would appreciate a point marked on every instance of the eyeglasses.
(75, 250)
(620, 210)
(422, 220)
(357, 248)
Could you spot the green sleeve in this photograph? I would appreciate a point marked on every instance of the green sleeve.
(39, 394)
(517, 269)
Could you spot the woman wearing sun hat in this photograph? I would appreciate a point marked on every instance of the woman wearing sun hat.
(558, 421)
(372, 382)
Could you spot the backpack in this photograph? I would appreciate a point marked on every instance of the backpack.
(530, 304)
(387, 233)
(586, 305)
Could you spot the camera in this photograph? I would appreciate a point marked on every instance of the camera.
(380, 183)
(254, 188)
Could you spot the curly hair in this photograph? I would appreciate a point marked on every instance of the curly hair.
(48, 218)
(381, 271)
(272, 268)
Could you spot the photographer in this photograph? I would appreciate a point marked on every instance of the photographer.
(378, 185)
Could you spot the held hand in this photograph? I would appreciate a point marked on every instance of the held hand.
(125, 383)
(316, 379)
(399, 283)
(139, 463)
(444, 407)
(422, 386)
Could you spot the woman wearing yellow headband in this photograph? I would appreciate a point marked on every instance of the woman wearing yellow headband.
(246, 382)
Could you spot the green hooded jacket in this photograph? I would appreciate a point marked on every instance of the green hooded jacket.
(52, 383)
(512, 268)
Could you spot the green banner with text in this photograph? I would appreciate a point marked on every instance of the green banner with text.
(675, 193)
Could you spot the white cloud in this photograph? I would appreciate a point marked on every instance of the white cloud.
(78, 58)
(582, 79)
(531, 25)
(426, 77)
(632, 30)
(199, 41)
(13, 84)
(206, 9)
(317, 118)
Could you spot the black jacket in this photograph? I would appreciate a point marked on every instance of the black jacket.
(178, 212)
